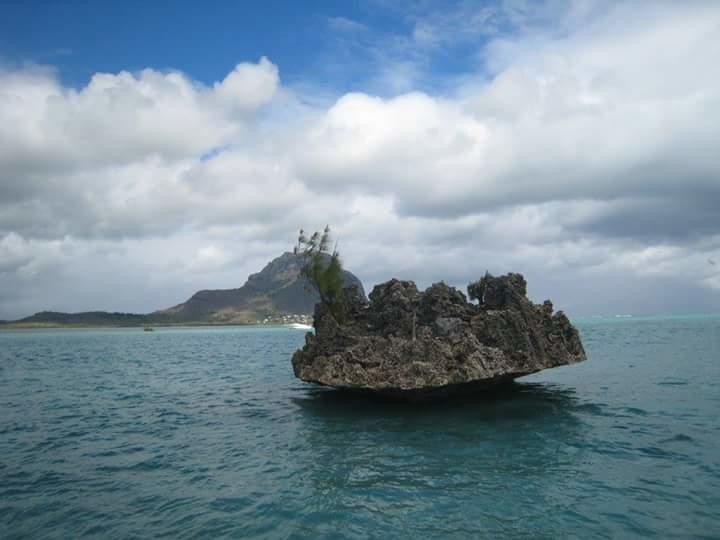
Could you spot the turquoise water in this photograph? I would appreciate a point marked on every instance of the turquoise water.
(201, 433)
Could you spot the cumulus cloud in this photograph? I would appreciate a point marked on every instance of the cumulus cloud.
(579, 117)
(248, 86)
(117, 120)
(575, 156)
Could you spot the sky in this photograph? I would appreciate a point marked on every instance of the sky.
(152, 149)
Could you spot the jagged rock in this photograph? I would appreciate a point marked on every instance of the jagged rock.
(416, 344)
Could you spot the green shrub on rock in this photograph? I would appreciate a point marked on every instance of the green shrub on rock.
(323, 269)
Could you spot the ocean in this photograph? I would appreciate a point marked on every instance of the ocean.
(205, 433)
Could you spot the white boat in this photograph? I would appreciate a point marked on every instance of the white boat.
(298, 326)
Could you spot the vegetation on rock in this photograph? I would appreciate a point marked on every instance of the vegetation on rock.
(323, 269)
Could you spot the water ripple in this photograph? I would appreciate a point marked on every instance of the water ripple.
(203, 433)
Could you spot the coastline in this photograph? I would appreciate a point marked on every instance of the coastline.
(54, 326)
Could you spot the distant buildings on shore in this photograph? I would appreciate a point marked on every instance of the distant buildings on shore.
(287, 319)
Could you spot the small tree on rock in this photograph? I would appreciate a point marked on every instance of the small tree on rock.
(322, 268)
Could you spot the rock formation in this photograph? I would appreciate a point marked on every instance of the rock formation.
(414, 344)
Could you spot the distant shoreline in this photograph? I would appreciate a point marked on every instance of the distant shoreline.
(53, 326)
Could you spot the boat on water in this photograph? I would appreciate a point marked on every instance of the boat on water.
(148, 329)
(299, 326)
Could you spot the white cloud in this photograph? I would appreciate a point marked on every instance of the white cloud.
(248, 86)
(14, 253)
(591, 115)
(122, 118)
(345, 25)
(588, 155)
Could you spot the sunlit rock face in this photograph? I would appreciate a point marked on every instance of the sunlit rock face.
(413, 344)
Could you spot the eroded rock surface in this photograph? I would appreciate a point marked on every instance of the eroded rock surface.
(409, 343)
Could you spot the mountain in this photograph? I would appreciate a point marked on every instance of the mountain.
(276, 291)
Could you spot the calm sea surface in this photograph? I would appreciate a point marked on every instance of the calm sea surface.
(201, 433)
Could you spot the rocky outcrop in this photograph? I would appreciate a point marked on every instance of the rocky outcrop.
(414, 344)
